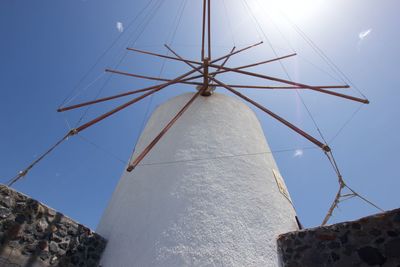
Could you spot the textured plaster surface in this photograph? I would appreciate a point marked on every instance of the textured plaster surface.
(370, 241)
(204, 196)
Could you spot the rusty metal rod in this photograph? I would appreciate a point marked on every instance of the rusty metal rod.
(141, 156)
(106, 99)
(285, 87)
(256, 64)
(280, 119)
(150, 77)
(236, 52)
(223, 63)
(159, 55)
(209, 29)
(184, 81)
(203, 36)
(184, 60)
(119, 108)
(365, 101)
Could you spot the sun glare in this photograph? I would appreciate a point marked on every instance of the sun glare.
(294, 9)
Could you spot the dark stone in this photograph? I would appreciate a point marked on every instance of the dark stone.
(375, 232)
(44, 255)
(372, 241)
(4, 213)
(53, 247)
(289, 250)
(371, 256)
(20, 218)
(42, 244)
(95, 257)
(334, 245)
(344, 238)
(75, 260)
(56, 238)
(392, 233)
(14, 244)
(302, 234)
(63, 245)
(335, 257)
(326, 237)
(41, 226)
(392, 248)
(379, 240)
(54, 260)
(13, 231)
(396, 217)
(303, 248)
(321, 246)
(7, 201)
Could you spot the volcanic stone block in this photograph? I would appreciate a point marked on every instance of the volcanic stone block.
(32, 234)
(370, 241)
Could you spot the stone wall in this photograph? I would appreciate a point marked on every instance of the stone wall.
(32, 234)
(370, 241)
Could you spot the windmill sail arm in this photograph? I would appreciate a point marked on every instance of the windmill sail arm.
(123, 106)
(106, 99)
(256, 64)
(159, 55)
(169, 82)
(185, 81)
(364, 101)
(280, 119)
(275, 116)
(236, 52)
(141, 156)
(284, 87)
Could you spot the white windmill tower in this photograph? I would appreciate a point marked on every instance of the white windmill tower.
(218, 199)
(201, 190)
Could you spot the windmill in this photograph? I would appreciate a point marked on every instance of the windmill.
(207, 69)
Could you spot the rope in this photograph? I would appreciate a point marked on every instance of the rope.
(342, 184)
(24, 172)
(145, 23)
(343, 197)
(323, 55)
(229, 23)
(102, 149)
(286, 72)
(223, 157)
(103, 54)
(246, 7)
(346, 123)
(171, 36)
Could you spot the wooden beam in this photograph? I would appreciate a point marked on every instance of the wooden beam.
(203, 31)
(141, 156)
(123, 106)
(236, 52)
(255, 64)
(280, 119)
(159, 55)
(209, 29)
(286, 87)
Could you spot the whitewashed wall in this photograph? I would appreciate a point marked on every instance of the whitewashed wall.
(205, 196)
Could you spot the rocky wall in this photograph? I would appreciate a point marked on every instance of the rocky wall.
(370, 241)
(32, 234)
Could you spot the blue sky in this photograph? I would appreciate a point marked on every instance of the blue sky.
(48, 46)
